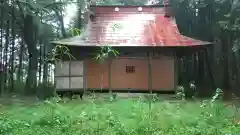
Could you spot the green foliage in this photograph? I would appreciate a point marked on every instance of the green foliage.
(218, 95)
(52, 114)
(150, 97)
(45, 91)
(8, 125)
(45, 32)
(58, 53)
(112, 96)
(76, 32)
(236, 45)
(117, 27)
(180, 93)
(128, 117)
(20, 87)
(104, 52)
(187, 91)
(37, 6)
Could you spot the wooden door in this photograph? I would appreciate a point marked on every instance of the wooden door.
(97, 74)
(129, 74)
(163, 73)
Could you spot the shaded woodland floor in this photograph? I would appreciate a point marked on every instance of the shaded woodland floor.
(124, 115)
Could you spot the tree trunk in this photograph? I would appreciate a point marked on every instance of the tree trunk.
(30, 31)
(12, 49)
(225, 81)
(20, 67)
(237, 72)
(6, 56)
(1, 52)
(209, 69)
(45, 65)
(201, 68)
(79, 15)
(40, 64)
(60, 18)
(31, 82)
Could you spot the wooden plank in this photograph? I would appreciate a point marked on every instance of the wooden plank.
(77, 68)
(69, 72)
(76, 82)
(123, 80)
(62, 82)
(163, 73)
(110, 75)
(176, 64)
(150, 71)
(70, 76)
(62, 68)
(97, 74)
(85, 68)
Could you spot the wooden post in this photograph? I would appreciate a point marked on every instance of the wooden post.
(85, 74)
(69, 73)
(110, 75)
(176, 66)
(150, 71)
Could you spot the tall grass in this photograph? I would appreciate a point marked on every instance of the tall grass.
(120, 117)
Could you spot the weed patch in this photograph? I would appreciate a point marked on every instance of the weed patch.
(121, 117)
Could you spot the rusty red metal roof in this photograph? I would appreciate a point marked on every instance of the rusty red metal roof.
(132, 26)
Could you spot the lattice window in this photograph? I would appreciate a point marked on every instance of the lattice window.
(130, 69)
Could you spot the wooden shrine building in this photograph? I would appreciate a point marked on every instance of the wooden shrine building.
(148, 40)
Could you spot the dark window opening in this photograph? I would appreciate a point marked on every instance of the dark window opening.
(130, 69)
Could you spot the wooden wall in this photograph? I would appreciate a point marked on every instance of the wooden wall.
(99, 75)
(87, 73)
(69, 75)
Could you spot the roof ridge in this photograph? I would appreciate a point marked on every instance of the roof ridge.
(148, 6)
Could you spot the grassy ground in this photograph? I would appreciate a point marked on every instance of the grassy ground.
(122, 116)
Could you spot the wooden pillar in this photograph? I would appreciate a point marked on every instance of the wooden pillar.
(85, 68)
(110, 75)
(69, 73)
(150, 72)
(176, 68)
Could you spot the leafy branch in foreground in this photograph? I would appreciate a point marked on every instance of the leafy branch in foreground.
(104, 53)
(58, 53)
(76, 31)
(218, 94)
(106, 50)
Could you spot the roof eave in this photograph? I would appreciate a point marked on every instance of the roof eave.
(148, 6)
(86, 44)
